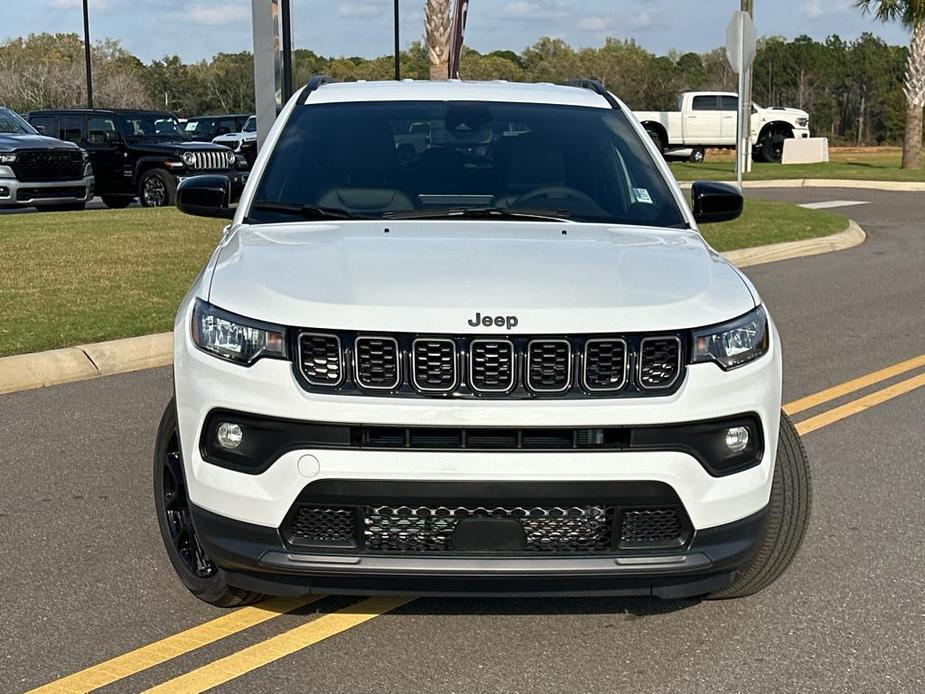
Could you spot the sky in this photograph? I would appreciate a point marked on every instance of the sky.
(197, 29)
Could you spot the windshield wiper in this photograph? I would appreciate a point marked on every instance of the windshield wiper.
(545, 215)
(304, 211)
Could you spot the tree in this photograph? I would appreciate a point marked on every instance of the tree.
(437, 27)
(912, 14)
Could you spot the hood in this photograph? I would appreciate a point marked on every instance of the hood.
(12, 143)
(795, 112)
(234, 137)
(161, 147)
(434, 276)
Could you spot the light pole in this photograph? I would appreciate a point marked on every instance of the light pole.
(87, 55)
(397, 42)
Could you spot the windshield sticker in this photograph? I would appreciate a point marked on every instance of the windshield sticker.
(642, 195)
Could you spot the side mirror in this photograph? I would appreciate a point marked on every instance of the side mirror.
(716, 202)
(42, 130)
(112, 137)
(206, 196)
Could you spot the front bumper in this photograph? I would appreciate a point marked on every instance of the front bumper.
(256, 558)
(16, 193)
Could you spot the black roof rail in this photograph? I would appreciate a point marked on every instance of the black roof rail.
(314, 83)
(595, 86)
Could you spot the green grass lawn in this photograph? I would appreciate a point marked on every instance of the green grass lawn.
(69, 278)
(881, 164)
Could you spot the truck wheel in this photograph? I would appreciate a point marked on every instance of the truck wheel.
(116, 202)
(772, 147)
(201, 576)
(157, 188)
(788, 517)
(697, 155)
(656, 137)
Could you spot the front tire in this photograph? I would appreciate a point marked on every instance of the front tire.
(771, 148)
(698, 155)
(201, 576)
(788, 517)
(157, 188)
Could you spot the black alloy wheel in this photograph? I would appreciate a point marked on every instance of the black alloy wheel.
(157, 188)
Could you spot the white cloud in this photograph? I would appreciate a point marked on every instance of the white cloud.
(74, 4)
(534, 10)
(214, 16)
(594, 24)
(627, 21)
(360, 9)
(821, 9)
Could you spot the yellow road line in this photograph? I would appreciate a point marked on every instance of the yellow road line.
(861, 404)
(220, 671)
(172, 646)
(854, 385)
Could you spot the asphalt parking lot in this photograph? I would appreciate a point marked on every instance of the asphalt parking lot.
(85, 578)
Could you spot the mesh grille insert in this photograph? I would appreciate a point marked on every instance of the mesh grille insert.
(655, 527)
(605, 365)
(377, 362)
(320, 359)
(434, 365)
(549, 365)
(491, 366)
(54, 165)
(322, 526)
(561, 529)
(659, 362)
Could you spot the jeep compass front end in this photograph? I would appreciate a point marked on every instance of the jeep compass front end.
(498, 359)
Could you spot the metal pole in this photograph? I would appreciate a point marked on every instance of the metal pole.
(746, 96)
(87, 55)
(286, 18)
(397, 42)
(743, 129)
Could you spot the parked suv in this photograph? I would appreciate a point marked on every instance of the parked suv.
(142, 154)
(205, 128)
(39, 171)
(243, 143)
(507, 362)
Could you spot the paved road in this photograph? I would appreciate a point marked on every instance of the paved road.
(84, 577)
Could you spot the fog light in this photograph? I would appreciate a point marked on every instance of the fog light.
(737, 439)
(230, 435)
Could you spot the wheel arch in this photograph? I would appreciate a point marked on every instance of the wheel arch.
(777, 127)
(657, 127)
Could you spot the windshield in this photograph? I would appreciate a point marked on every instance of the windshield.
(12, 124)
(250, 125)
(389, 159)
(151, 125)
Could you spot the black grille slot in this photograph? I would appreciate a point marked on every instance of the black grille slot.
(434, 366)
(659, 362)
(321, 360)
(652, 527)
(322, 527)
(54, 165)
(24, 194)
(491, 366)
(605, 365)
(558, 529)
(549, 365)
(377, 362)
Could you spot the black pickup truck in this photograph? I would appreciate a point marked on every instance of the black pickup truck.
(39, 171)
(143, 154)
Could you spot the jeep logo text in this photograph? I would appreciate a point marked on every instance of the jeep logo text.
(498, 321)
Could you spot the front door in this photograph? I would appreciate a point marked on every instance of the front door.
(104, 145)
(703, 123)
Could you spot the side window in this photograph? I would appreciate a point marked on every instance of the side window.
(70, 128)
(225, 126)
(101, 130)
(704, 103)
(729, 103)
(47, 125)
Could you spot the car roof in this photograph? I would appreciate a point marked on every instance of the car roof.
(457, 90)
(222, 115)
(117, 111)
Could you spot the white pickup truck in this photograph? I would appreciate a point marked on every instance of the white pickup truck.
(708, 119)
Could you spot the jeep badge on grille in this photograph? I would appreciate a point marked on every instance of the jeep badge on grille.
(498, 321)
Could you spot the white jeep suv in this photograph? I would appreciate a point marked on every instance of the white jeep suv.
(499, 360)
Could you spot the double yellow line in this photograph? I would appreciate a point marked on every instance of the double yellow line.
(253, 657)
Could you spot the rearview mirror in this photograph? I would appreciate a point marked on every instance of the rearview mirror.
(206, 196)
(714, 202)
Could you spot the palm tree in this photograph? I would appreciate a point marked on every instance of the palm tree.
(912, 14)
(437, 27)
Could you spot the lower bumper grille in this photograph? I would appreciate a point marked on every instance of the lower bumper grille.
(75, 192)
(553, 529)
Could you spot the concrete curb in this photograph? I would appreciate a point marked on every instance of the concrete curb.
(887, 186)
(57, 366)
(849, 238)
(28, 371)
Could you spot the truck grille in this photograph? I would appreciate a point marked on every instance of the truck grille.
(51, 165)
(651, 527)
(659, 362)
(320, 526)
(210, 160)
(406, 365)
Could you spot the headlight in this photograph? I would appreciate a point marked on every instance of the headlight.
(735, 343)
(84, 155)
(7, 158)
(229, 157)
(802, 122)
(188, 158)
(236, 338)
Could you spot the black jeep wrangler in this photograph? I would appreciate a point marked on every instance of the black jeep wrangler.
(143, 154)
